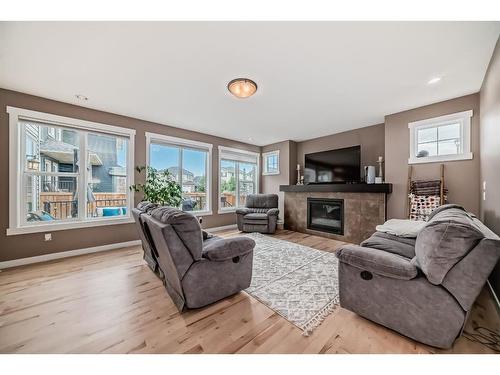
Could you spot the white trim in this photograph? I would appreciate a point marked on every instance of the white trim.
(187, 143)
(66, 254)
(17, 224)
(224, 227)
(463, 118)
(264, 163)
(229, 210)
(27, 114)
(221, 149)
(65, 225)
(178, 141)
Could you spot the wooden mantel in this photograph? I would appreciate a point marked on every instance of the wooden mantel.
(337, 188)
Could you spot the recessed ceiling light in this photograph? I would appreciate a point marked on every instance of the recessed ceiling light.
(434, 80)
(242, 87)
(81, 97)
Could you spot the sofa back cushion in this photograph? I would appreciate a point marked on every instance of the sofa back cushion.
(449, 235)
(262, 201)
(185, 225)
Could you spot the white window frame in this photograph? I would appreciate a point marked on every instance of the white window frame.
(265, 155)
(186, 143)
(463, 118)
(243, 153)
(16, 170)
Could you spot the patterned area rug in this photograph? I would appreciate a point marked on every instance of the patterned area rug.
(298, 282)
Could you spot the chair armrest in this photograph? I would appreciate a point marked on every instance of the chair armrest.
(228, 248)
(242, 211)
(273, 212)
(377, 261)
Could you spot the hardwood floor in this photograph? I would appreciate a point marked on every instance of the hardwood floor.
(111, 302)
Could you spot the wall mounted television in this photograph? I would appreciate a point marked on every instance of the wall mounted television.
(334, 166)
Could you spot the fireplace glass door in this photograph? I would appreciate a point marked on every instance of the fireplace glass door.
(326, 215)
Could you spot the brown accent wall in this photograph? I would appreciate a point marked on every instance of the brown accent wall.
(271, 183)
(461, 177)
(490, 152)
(27, 245)
(371, 139)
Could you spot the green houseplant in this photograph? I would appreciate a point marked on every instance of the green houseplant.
(159, 187)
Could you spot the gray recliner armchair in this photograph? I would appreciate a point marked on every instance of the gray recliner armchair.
(198, 271)
(422, 288)
(259, 215)
(150, 253)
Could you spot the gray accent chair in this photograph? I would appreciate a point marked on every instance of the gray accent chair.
(424, 291)
(198, 272)
(150, 253)
(259, 215)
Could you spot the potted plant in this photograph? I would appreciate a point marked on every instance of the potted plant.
(159, 188)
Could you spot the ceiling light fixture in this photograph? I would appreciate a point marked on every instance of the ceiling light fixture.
(81, 97)
(434, 80)
(242, 87)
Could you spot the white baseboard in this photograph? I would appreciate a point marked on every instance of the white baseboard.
(225, 227)
(66, 254)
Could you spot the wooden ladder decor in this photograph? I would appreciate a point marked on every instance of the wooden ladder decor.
(409, 187)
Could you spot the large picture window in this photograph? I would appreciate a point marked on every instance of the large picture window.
(189, 164)
(67, 173)
(238, 177)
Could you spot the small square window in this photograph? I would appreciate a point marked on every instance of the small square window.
(438, 139)
(271, 161)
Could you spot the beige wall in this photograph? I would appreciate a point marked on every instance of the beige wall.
(461, 177)
(21, 246)
(490, 151)
(371, 139)
(271, 183)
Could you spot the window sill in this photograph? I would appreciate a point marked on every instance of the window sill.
(200, 213)
(67, 225)
(439, 159)
(227, 211)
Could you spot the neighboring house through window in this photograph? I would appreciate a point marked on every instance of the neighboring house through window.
(271, 162)
(444, 138)
(49, 188)
(238, 177)
(189, 162)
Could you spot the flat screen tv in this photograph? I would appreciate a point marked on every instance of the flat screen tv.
(335, 166)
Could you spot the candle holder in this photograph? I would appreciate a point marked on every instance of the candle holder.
(380, 177)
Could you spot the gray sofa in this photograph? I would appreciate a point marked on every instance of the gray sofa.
(198, 270)
(423, 288)
(259, 215)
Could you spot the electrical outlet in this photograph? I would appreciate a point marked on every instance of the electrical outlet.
(48, 236)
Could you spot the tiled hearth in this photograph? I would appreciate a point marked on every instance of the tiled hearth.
(362, 213)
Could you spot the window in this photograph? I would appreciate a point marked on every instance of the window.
(189, 162)
(238, 177)
(50, 189)
(271, 162)
(438, 139)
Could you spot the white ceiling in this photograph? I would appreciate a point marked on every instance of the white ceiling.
(314, 78)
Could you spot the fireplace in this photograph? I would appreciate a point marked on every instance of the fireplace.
(326, 215)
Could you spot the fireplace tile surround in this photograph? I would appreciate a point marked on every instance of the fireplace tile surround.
(363, 211)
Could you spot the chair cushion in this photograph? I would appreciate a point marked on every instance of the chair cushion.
(449, 235)
(255, 218)
(392, 244)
